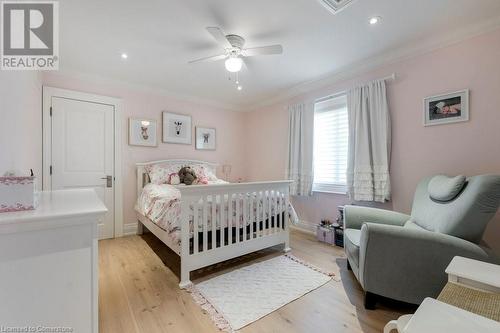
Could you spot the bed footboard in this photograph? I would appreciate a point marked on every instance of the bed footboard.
(230, 220)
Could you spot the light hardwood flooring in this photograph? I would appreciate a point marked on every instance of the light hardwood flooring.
(138, 293)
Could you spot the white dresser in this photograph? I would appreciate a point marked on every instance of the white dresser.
(49, 263)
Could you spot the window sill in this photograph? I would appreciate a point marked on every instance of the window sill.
(330, 192)
(330, 188)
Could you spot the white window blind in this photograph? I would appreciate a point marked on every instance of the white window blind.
(330, 145)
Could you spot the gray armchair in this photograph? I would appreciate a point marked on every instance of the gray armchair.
(404, 257)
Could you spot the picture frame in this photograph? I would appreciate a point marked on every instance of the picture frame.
(205, 138)
(176, 128)
(446, 108)
(143, 132)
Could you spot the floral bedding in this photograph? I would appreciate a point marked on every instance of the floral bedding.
(159, 173)
(161, 203)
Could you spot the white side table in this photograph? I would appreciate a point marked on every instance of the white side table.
(474, 274)
(433, 316)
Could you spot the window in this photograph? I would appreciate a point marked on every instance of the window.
(330, 145)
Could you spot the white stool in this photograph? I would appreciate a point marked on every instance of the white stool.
(398, 325)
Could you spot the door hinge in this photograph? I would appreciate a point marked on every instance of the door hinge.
(51, 111)
(50, 170)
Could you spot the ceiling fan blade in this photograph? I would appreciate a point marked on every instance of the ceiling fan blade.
(263, 50)
(220, 37)
(245, 63)
(209, 59)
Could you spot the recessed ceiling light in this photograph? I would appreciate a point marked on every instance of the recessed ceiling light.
(374, 20)
(124, 56)
(239, 87)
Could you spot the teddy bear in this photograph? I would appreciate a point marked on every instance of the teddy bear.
(187, 175)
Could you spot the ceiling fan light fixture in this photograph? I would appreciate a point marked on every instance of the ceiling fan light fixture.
(233, 64)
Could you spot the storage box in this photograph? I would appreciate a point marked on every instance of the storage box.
(17, 194)
(325, 235)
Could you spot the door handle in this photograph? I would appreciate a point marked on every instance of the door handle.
(109, 181)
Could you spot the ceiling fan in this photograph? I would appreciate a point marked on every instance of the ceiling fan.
(234, 51)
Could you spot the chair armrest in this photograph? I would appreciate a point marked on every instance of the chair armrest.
(409, 264)
(355, 216)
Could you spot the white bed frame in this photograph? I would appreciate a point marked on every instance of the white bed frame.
(245, 195)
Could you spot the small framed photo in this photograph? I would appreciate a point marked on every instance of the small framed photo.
(142, 132)
(176, 128)
(205, 138)
(448, 108)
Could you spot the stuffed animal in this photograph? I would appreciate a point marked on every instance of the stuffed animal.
(174, 179)
(201, 181)
(187, 175)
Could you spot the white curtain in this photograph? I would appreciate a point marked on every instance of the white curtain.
(300, 148)
(369, 143)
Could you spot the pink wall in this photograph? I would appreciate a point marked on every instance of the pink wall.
(20, 122)
(255, 142)
(466, 148)
(137, 103)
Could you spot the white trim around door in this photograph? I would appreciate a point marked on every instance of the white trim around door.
(48, 93)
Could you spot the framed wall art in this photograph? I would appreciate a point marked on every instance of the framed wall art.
(142, 132)
(447, 108)
(205, 138)
(176, 128)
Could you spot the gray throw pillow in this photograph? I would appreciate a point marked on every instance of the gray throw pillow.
(444, 188)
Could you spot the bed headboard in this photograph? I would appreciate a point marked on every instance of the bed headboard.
(143, 177)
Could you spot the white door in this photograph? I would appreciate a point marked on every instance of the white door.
(83, 151)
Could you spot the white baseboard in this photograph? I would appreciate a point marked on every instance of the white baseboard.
(304, 226)
(130, 229)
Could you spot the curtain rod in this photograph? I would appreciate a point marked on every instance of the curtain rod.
(326, 98)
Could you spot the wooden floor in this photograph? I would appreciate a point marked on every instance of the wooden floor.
(138, 293)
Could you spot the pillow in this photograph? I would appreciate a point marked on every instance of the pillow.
(159, 174)
(201, 181)
(173, 179)
(444, 188)
(210, 175)
(202, 172)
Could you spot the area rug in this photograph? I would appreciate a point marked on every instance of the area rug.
(238, 298)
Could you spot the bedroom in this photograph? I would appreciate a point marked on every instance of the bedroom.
(122, 84)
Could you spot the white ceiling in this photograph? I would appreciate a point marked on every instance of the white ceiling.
(161, 36)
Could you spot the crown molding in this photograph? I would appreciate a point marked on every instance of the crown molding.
(405, 52)
(73, 74)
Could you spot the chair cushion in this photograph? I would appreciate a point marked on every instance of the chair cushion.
(351, 242)
(444, 188)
